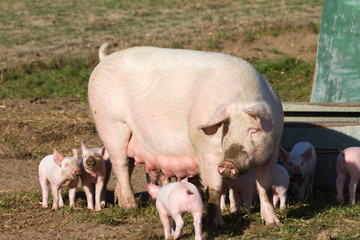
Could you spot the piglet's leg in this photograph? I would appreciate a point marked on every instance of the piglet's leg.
(72, 193)
(352, 189)
(223, 199)
(55, 194)
(165, 220)
(89, 189)
(275, 199)
(99, 187)
(283, 196)
(179, 224)
(61, 201)
(340, 180)
(302, 188)
(197, 225)
(45, 192)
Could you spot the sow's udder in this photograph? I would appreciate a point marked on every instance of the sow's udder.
(236, 162)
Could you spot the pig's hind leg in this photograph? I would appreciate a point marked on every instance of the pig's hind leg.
(197, 225)
(165, 220)
(44, 183)
(177, 225)
(352, 189)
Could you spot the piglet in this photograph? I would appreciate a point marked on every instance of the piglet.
(175, 199)
(280, 186)
(96, 168)
(60, 172)
(348, 164)
(241, 190)
(300, 163)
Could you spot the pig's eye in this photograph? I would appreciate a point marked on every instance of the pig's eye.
(290, 164)
(253, 132)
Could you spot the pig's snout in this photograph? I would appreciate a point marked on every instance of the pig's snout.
(296, 176)
(228, 169)
(76, 172)
(90, 161)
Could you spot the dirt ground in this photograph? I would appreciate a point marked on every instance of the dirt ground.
(32, 128)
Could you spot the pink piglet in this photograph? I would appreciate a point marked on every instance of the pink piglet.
(175, 199)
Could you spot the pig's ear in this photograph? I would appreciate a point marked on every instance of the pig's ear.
(261, 112)
(104, 153)
(153, 190)
(220, 116)
(75, 153)
(83, 146)
(283, 154)
(57, 158)
(307, 154)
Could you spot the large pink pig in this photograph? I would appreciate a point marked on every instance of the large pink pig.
(185, 113)
(300, 163)
(59, 172)
(96, 168)
(348, 164)
(175, 199)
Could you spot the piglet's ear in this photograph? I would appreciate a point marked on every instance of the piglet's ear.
(260, 111)
(220, 116)
(58, 158)
(83, 146)
(307, 154)
(104, 153)
(75, 154)
(283, 154)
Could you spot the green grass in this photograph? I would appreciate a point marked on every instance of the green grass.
(57, 79)
(291, 78)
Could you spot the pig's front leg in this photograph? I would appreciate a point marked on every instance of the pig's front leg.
(99, 187)
(89, 190)
(302, 188)
(61, 201)
(55, 194)
(212, 182)
(340, 180)
(352, 189)
(295, 188)
(72, 192)
(264, 179)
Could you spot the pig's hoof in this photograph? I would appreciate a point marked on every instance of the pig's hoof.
(228, 169)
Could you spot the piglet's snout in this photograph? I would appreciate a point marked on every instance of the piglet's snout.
(296, 176)
(76, 172)
(90, 161)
